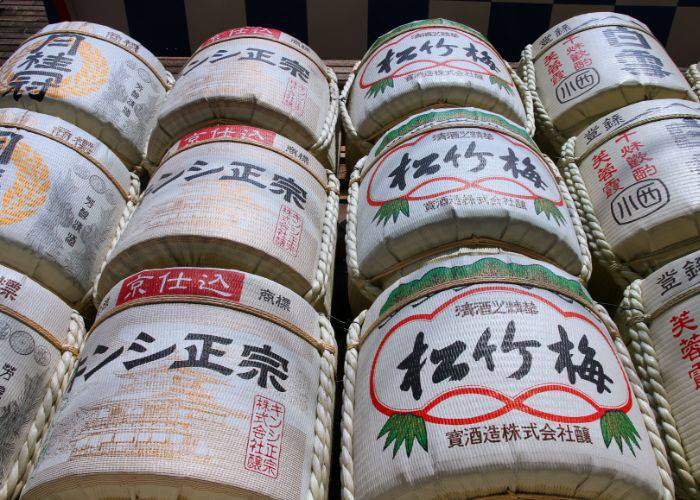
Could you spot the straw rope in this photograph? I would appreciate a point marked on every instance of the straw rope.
(129, 208)
(601, 249)
(638, 338)
(323, 428)
(693, 76)
(23, 465)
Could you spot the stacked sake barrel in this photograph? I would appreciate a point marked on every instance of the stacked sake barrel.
(77, 103)
(210, 372)
(489, 374)
(660, 314)
(197, 383)
(592, 65)
(423, 65)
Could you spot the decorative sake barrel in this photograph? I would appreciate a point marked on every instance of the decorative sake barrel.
(592, 65)
(253, 76)
(92, 76)
(199, 383)
(427, 64)
(64, 195)
(39, 340)
(662, 313)
(634, 174)
(453, 178)
(238, 197)
(493, 374)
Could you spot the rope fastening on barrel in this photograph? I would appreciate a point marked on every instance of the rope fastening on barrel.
(319, 345)
(43, 332)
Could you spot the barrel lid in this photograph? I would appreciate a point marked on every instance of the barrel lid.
(225, 288)
(671, 284)
(424, 23)
(464, 269)
(581, 23)
(69, 136)
(114, 37)
(446, 118)
(27, 301)
(256, 136)
(634, 115)
(265, 33)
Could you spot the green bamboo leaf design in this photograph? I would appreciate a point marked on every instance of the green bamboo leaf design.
(380, 86)
(617, 425)
(391, 210)
(549, 209)
(404, 428)
(501, 83)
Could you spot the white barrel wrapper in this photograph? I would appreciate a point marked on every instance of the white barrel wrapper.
(62, 194)
(239, 197)
(593, 64)
(493, 374)
(92, 76)
(425, 64)
(639, 169)
(39, 339)
(459, 177)
(255, 76)
(199, 383)
(662, 312)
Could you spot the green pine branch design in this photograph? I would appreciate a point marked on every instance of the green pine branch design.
(501, 83)
(391, 210)
(380, 86)
(548, 208)
(404, 428)
(617, 425)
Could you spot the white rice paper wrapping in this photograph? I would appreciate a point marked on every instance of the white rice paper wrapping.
(640, 176)
(662, 312)
(462, 387)
(238, 197)
(63, 194)
(92, 76)
(457, 177)
(593, 64)
(254, 76)
(39, 339)
(196, 383)
(427, 64)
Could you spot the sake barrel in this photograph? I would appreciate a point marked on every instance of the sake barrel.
(199, 383)
(592, 65)
(92, 76)
(64, 197)
(494, 375)
(427, 64)
(634, 175)
(452, 178)
(239, 197)
(39, 340)
(253, 76)
(661, 313)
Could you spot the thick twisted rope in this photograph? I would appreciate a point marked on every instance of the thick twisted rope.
(544, 122)
(329, 234)
(526, 97)
(350, 130)
(621, 272)
(347, 471)
(23, 465)
(363, 285)
(586, 262)
(693, 76)
(129, 209)
(329, 125)
(639, 339)
(323, 427)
